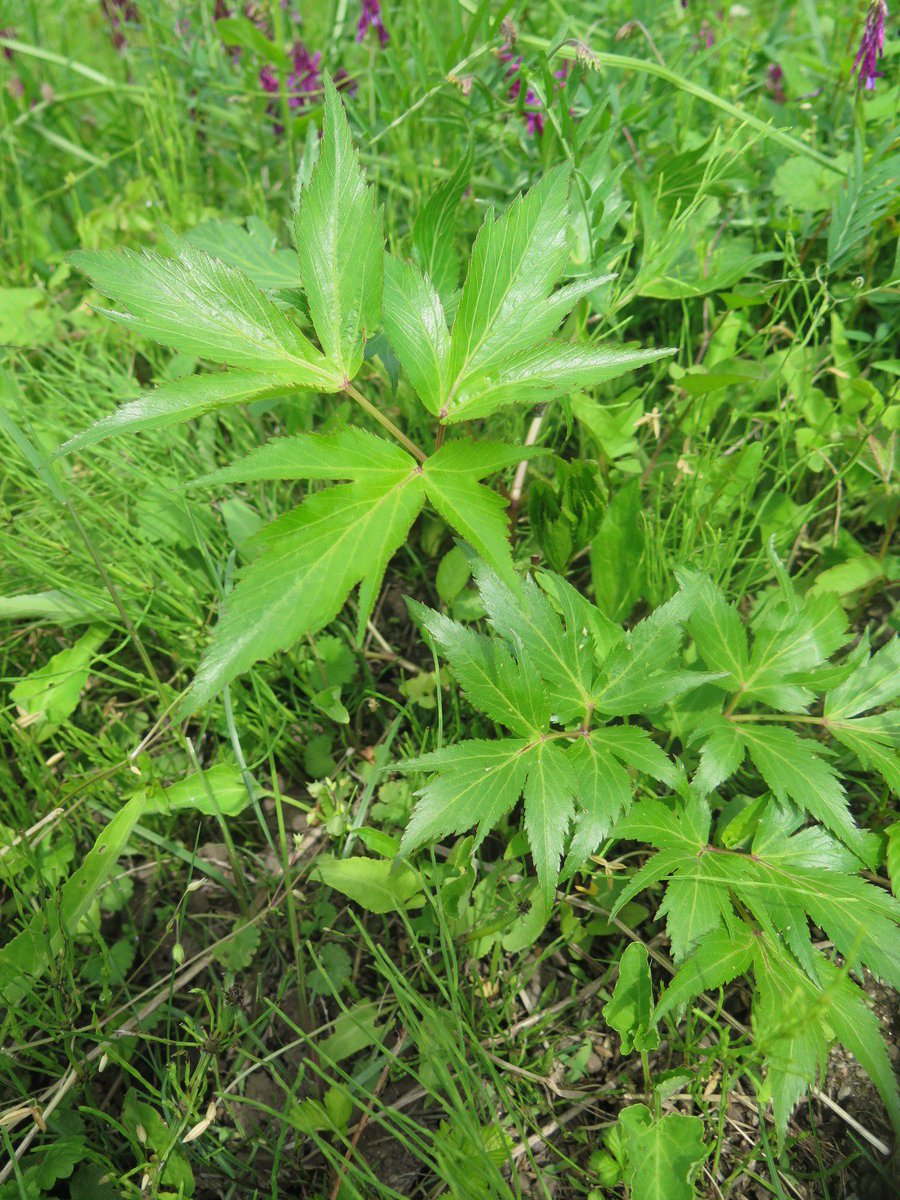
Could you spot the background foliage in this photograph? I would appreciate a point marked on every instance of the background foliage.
(216, 979)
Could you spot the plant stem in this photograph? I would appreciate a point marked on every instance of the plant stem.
(385, 422)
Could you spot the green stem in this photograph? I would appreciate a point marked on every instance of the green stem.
(385, 422)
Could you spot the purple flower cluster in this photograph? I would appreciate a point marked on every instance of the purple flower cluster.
(871, 48)
(370, 18)
(303, 85)
(775, 82)
(532, 108)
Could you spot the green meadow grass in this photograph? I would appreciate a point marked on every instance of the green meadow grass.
(445, 1051)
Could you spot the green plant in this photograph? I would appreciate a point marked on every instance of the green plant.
(570, 686)
(498, 353)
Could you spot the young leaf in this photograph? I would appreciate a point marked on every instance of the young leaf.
(663, 1155)
(183, 399)
(630, 1010)
(340, 244)
(200, 306)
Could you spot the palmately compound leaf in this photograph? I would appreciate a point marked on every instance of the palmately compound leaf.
(786, 878)
(306, 563)
(476, 783)
(203, 307)
(630, 1009)
(340, 243)
(663, 1155)
(183, 399)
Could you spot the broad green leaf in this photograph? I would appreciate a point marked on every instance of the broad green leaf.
(873, 684)
(720, 957)
(793, 770)
(375, 884)
(47, 696)
(477, 783)
(630, 1009)
(542, 374)
(340, 244)
(417, 328)
(432, 236)
(474, 511)
(183, 399)
(348, 453)
(254, 250)
(60, 608)
(549, 805)
(305, 564)
(203, 307)
(663, 1155)
(507, 691)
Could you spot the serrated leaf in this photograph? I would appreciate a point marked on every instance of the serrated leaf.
(201, 306)
(417, 328)
(791, 768)
(542, 374)
(507, 691)
(474, 511)
(253, 250)
(718, 632)
(556, 651)
(340, 244)
(722, 754)
(549, 804)
(662, 1155)
(432, 236)
(790, 639)
(603, 791)
(873, 684)
(636, 748)
(303, 568)
(720, 958)
(183, 399)
(515, 262)
(477, 783)
(348, 453)
(630, 1009)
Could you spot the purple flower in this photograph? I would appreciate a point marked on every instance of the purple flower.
(304, 83)
(532, 108)
(775, 82)
(8, 33)
(871, 48)
(370, 18)
(118, 12)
